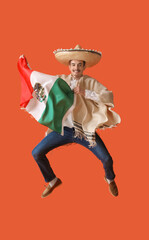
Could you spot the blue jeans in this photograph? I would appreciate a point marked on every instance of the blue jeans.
(54, 140)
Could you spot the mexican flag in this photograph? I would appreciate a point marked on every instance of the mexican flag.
(49, 99)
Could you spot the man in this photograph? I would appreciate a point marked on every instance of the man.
(91, 110)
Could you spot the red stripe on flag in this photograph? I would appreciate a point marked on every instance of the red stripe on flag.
(26, 87)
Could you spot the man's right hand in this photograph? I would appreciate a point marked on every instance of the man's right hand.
(23, 57)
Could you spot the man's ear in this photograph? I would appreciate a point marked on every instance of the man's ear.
(69, 66)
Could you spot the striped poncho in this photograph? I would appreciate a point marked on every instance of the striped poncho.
(50, 100)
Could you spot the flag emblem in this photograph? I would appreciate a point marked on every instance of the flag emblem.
(39, 92)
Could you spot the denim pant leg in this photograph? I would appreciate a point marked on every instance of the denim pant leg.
(51, 141)
(101, 153)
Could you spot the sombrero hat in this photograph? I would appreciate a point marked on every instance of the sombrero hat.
(91, 57)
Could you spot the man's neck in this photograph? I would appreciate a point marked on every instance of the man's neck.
(76, 78)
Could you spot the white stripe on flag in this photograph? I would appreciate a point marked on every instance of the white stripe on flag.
(35, 107)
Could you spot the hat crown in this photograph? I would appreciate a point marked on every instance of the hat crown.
(78, 47)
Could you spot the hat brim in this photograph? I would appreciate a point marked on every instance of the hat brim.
(90, 57)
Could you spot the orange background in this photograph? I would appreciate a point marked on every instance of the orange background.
(82, 208)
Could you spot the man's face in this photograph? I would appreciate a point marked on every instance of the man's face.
(76, 68)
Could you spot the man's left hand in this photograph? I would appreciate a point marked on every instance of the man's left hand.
(77, 90)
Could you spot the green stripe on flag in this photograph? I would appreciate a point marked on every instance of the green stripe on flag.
(60, 99)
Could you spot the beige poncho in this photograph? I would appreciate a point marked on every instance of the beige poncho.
(89, 115)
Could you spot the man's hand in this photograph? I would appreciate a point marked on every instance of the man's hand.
(24, 58)
(77, 90)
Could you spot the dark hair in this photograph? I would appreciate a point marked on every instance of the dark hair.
(80, 60)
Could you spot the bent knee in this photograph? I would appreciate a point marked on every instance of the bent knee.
(35, 153)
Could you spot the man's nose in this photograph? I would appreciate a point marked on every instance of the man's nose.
(76, 67)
